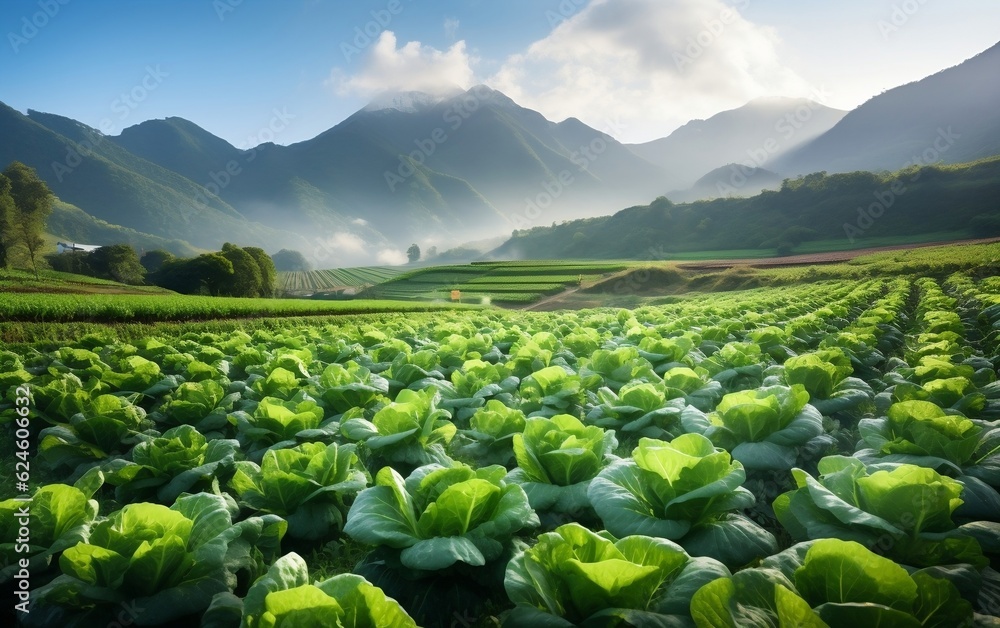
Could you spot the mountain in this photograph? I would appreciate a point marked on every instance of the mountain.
(952, 116)
(414, 166)
(849, 208)
(733, 180)
(180, 146)
(85, 169)
(756, 134)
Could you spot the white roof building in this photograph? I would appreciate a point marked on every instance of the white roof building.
(63, 247)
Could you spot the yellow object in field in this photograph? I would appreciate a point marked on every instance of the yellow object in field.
(456, 295)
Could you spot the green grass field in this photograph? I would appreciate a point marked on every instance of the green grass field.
(334, 280)
(494, 282)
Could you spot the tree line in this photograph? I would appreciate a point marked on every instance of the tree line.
(232, 272)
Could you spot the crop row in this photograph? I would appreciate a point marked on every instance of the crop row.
(822, 454)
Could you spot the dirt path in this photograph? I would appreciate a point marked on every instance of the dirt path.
(565, 293)
(555, 297)
(831, 257)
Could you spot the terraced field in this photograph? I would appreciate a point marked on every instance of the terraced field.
(492, 282)
(334, 280)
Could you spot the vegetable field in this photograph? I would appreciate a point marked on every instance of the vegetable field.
(819, 454)
(334, 280)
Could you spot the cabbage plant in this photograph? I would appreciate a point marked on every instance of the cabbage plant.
(638, 409)
(613, 368)
(575, 577)
(736, 365)
(344, 387)
(765, 429)
(106, 426)
(203, 404)
(473, 385)
(164, 563)
(551, 391)
(489, 439)
(686, 490)
(825, 583)
(440, 516)
(826, 376)
(557, 459)
(179, 461)
(277, 423)
(905, 512)
(921, 433)
(411, 430)
(309, 486)
(693, 386)
(285, 596)
(61, 516)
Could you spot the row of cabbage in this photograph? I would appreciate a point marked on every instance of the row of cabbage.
(446, 443)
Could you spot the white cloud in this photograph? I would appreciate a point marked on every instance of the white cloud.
(649, 64)
(451, 27)
(391, 257)
(411, 67)
(345, 242)
(359, 221)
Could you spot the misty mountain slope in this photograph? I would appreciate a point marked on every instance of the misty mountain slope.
(101, 183)
(71, 224)
(891, 129)
(733, 180)
(179, 145)
(814, 207)
(742, 136)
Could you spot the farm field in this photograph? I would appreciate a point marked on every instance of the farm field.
(334, 280)
(820, 453)
(493, 282)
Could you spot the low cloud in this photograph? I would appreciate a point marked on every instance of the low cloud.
(410, 67)
(391, 257)
(348, 243)
(451, 27)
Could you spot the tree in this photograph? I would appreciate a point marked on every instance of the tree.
(247, 280)
(7, 209)
(413, 253)
(268, 273)
(214, 271)
(118, 262)
(153, 260)
(287, 260)
(207, 273)
(432, 252)
(33, 204)
(75, 262)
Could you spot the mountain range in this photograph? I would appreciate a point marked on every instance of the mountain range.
(441, 170)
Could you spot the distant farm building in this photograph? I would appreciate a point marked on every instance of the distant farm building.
(63, 247)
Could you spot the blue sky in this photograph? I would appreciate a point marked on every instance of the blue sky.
(641, 67)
